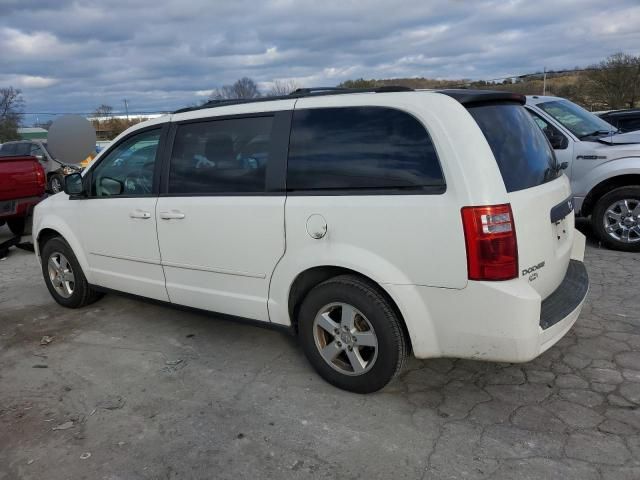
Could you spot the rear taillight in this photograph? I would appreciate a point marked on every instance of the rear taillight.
(492, 248)
(40, 178)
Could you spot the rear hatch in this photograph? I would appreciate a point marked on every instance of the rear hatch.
(539, 195)
(19, 178)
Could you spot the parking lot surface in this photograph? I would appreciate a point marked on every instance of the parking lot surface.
(125, 389)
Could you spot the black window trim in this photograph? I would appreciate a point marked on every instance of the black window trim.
(439, 189)
(87, 179)
(276, 166)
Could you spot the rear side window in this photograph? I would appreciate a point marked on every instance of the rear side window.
(7, 149)
(360, 148)
(629, 124)
(221, 156)
(15, 149)
(524, 155)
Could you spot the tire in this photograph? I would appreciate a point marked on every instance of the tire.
(606, 213)
(17, 225)
(71, 294)
(351, 301)
(56, 183)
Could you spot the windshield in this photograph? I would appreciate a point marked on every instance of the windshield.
(45, 146)
(576, 119)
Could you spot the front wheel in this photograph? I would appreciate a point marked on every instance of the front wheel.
(616, 219)
(56, 183)
(63, 275)
(352, 335)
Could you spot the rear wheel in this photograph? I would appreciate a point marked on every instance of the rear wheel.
(352, 335)
(17, 225)
(616, 219)
(63, 275)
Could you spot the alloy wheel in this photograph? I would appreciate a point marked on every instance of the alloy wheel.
(61, 274)
(622, 220)
(56, 185)
(345, 339)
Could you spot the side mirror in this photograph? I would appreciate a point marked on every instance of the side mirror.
(41, 158)
(558, 142)
(111, 186)
(73, 185)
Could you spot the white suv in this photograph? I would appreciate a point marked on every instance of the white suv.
(370, 223)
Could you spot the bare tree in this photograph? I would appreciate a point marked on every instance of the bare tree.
(103, 111)
(243, 88)
(283, 87)
(615, 82)
(11, 105)
(102, 121)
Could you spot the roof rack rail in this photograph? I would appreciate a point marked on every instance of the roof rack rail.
(337, 90)
(306, 91)
(298, 93)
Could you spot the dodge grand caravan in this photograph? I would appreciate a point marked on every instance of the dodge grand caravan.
(370, 223)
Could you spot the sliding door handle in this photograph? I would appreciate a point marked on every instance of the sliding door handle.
(140, 214)
(172, 215)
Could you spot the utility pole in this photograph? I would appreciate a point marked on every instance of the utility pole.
(544, 81)
(126, 108)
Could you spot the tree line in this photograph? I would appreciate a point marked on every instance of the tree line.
(612, 84)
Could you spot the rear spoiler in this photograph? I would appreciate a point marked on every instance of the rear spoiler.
(474, 97)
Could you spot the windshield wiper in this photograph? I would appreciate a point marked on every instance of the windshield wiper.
(597, 132)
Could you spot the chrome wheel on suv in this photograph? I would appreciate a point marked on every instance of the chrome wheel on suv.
(616, 218)
(622, 220)
(345, 339)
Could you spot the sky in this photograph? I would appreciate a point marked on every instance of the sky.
(160, 55)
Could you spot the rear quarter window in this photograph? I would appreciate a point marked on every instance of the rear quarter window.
(523, 154)
(361, 149)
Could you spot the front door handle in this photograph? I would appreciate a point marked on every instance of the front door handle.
(172, 215)
(140, 214)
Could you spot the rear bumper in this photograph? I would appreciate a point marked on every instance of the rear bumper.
(24, 207)
(496, 321)
(567, 297)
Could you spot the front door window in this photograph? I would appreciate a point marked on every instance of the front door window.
(128, 169)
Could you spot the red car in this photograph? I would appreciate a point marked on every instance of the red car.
(22, 186)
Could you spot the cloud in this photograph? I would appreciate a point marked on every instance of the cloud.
(27, 81)
(68, 55)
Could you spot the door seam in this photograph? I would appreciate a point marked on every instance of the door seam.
(164, 275)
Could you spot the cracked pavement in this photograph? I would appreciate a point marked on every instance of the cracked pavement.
(152, 392)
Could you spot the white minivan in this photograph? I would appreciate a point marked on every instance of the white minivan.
(370, 223)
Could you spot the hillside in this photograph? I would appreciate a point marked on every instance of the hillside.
(574, 86)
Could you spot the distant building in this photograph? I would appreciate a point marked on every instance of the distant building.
(32, 133)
